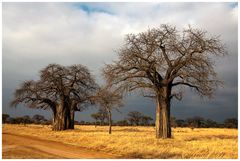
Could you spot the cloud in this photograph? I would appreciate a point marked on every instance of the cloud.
(36, 34)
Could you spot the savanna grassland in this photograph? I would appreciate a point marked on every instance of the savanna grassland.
(138, 142)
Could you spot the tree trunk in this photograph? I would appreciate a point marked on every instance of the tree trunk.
(60, 120)
(72, 113)
(109, 121)
(163, 126)
(71, 121)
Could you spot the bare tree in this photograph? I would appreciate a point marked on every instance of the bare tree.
(163, 61)
(108, 99)
(101, 115)
(134, 117)
(96, 117)
(195, 122)
(61, 89)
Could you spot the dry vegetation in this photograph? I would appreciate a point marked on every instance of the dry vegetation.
(140, 142)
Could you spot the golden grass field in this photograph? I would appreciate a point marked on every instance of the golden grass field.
(140, 142)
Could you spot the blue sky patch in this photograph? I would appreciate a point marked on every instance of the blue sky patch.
(92, 7)
(234, 4)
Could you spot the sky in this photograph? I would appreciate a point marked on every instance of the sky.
(37, 34)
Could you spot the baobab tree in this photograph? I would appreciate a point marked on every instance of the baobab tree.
(161, 62)
(108, 99)
(62, 89)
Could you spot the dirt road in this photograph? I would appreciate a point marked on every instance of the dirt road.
(19, 146)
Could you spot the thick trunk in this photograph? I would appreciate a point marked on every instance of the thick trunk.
(72, 113)
(61, 118)
(71, 126)
(109, 121)
(163, 126)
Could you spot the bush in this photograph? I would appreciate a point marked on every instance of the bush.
(231, 123)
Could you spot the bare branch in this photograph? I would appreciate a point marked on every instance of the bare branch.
(161, 56)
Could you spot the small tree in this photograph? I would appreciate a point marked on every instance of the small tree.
(108, 99)
(134, 117)
(38, 118)
(180, 123)
(23, 120)
(210, 123)
(103, 115)
(27, 119)
(195, 122)
(145, 120)
(11, 120)
(122, 123)
(161, 61)
(231, 123)
(5, 117)
(96, 117)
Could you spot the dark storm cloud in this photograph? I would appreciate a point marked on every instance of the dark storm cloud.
(35, 35)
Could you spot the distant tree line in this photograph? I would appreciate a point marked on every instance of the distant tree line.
(193, 122)
(134, 118)
(200, 122)
(36, 119)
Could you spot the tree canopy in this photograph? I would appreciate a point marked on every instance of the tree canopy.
(164, 55)
(161, 62)
(61, 89)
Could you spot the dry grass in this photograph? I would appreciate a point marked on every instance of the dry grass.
(140, 142)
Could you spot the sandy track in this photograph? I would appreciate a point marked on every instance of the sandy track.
(20, 146)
